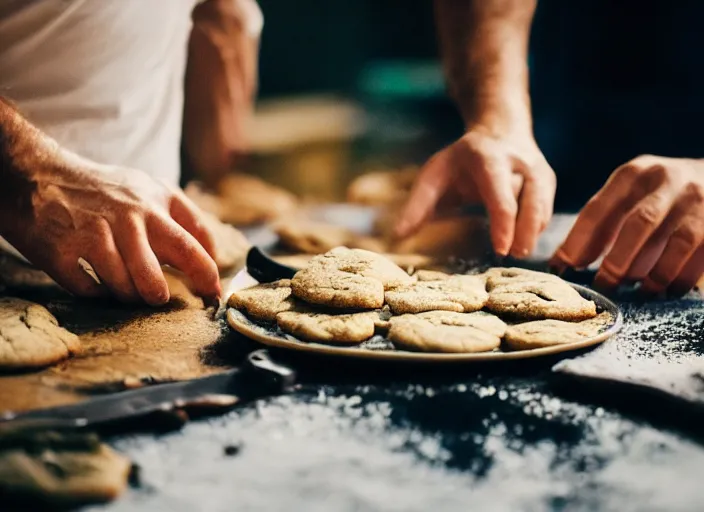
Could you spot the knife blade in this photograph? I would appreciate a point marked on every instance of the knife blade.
(257, 378)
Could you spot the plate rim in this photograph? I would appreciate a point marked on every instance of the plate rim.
(251, 330)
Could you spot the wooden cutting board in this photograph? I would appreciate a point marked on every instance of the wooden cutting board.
(122, 346)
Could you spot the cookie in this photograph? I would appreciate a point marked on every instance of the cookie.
(479, 319)
(263, 302)
(30, 336)
(295, 261)
(431, 275)
(411, 261)
(548, 333)
(444, 331)
(243, 200)
(381, 188)
(348, 278)
(535, 300)
(60, 470)
(407, 262)
(498, 276)
(456, 293)
(229, 243)
(328, 328)
(248, 200)
(318, 238)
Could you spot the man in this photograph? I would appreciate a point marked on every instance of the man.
(90, 134)
(648, 219)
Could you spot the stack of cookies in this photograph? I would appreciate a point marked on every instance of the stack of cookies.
(349, 296)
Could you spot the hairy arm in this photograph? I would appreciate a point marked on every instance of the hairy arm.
(57, 207)
(484, 47)
(220, 86)
(497, 163)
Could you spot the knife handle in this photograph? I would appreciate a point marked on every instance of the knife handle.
(264, 269)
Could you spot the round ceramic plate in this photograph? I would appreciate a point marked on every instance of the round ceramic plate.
(272, 336)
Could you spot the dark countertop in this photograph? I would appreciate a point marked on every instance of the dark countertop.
(504, 437)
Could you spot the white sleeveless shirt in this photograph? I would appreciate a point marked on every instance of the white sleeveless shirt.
(102, 77)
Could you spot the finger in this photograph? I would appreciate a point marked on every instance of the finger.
(108, 264)
(141, 262)
(640, 224)
(529, 221)
(600, 220)
(653, 248)
(681, 247)
(432, 182)
(71, 277)
(548, 189)
(188, 216)
(649, 254)
(493, 179)
(690, 275)
(176, 247)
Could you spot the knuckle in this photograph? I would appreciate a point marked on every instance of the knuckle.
(629, 172)
(658, 173)
(686, 235)
(660, 276)
(694, 192)
(643, 161)
(591, 209)
(648, 214)
(506, 210)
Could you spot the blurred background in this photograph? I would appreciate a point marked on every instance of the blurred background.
(352, 85)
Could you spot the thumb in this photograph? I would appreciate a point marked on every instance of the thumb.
(433, 181)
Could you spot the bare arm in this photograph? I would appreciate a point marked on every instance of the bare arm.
(484, 46)
(220, 86)
(57, 207)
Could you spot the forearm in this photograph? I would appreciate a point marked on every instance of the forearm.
(220, 84)
(484, 46)
(21, 148)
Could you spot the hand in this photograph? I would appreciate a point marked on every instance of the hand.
(650, 217)
(507, 174)
(122, 222)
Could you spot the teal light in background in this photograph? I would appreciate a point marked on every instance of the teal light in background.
(402, 80)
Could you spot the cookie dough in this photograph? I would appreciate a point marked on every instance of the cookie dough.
(534, 300)
(327, 328)
(348, 278)
(30, 336)
(449, 332)
(456, 293)
(318, 238)
(263, 302)
(548, 333)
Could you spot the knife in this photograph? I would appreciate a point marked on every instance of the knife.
(257, 378)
